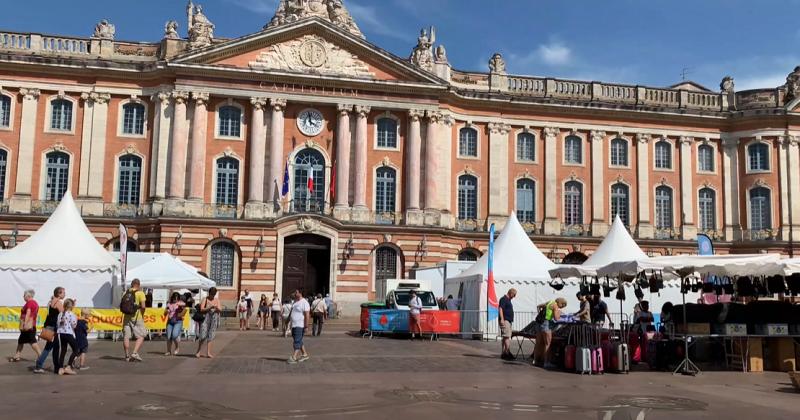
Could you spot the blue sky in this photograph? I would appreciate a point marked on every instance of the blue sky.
(631, 41)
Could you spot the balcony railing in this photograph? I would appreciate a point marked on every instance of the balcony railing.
(666, 233)
(386, 218)
(4, 207)
(530, 227)
(468, 225)
(43, 207)
(306, 207)
(222, 211)
(714, 234)
(124, 210)
(760, 234)
(575, 230)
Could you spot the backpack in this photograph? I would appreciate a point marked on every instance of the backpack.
(128, 303)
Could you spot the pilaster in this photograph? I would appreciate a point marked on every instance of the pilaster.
(414, 215)
(162, 132)
(498, 173)
(199, 139)
(343, 137)
(551, 223)
(730, 176)
(180, 145)
(794, 184)
(258, 154)
(276, 156)
(645, 229)
(688, 225)
(599, 224)
(20, 202)
(91, 202)
(360, 211)
(783, 171)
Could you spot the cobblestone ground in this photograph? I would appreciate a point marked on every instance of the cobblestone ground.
(353, 377)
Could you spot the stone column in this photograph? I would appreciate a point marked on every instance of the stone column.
(794, 185)
(730, 175)
(86, 145)
(552, 226)
(444, 159)
(433, 170)
(599, 188)
(160, 149)
(360, 211)
(276, 156)
(197, 169)
(20, 202)
(646, 230)
(414, 146)
(92, 203)
(688, 225)
(180, 145)
(783, 176)
(258, 155)
(343, 137)
(498, 173)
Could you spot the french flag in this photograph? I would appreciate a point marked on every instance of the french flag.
(493, 306)
(310, 180)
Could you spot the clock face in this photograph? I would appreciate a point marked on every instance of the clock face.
(310, 122)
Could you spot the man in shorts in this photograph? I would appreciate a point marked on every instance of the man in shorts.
(133, 325)
(299, 320)
(506, 318)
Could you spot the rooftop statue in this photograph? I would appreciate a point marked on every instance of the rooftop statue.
(332, 11)
(201, 30)
(104, 30)
(422, 55)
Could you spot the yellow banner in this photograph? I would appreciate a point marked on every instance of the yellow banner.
(99, 319)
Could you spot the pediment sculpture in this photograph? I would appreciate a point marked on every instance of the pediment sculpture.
(333, 11)
(312, 54)
(201, 30)
(793, 84)
(104, 30)
(422, 56)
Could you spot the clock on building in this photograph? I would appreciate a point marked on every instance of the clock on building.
(310, 122)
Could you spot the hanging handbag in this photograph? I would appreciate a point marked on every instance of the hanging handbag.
(621, 292)
(48, 334)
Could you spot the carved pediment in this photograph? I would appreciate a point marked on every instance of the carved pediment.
(311, 54)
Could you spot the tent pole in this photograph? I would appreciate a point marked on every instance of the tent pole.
(687, 366)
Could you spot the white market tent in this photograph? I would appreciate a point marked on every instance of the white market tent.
(164, 271)
(518, 264)
(63, 252)
(618, 245)
(678, 265)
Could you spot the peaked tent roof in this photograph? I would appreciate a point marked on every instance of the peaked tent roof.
(516, 257)
(618, 245)
(165, 270)
(63, 243)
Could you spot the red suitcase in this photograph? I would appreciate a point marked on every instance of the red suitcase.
(569, 357)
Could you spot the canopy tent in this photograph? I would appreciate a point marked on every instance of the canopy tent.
(618, 245)
(785, 267)
(518, 264)
(164, 271)
(685, 265)
(63, 252)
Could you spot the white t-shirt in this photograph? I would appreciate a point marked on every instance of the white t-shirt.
(298, 309)
(276, 305)
(415, 304)
(320, 306)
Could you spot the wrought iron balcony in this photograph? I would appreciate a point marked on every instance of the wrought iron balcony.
(666, 233)
(385, 218)
(468, 225)
(306, 207)
(575, 230)
(760, 234)
(43, 207)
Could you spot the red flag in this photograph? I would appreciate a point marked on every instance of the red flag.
(333, 183)
(310, 180)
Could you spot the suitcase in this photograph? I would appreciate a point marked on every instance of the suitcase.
(569, 357)
(623, 360)
(597, 360)
(583, 360)
(608, 350)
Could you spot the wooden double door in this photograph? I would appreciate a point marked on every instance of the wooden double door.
(306, 264)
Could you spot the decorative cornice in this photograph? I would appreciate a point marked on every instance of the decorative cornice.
(344, 109)
(277, 104)
(448, 120)
(258, 103)
(499, 128)
(550, 133)
(435, 117)
(200, 98)
(363, 111)
(180, 96)
(163, 96)
(30, 94)
(643, 138)
(686, 140)
(415, 114)
(598, 136)
(95, 97)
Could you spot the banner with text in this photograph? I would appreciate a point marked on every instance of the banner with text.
(397, 321)
(99, 319)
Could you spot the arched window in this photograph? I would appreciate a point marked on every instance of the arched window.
(227, 187)
(57, 173)
(3, 166)
(130, 177)
(309, 181)
(385, 263)
(664, 207)
(468, 255)
(230, 121)
(619, 152)
(573, 203)
(468, 142)
(760, 209)
(573, 150)
(5, 111)
(130, 245)
(620, 203)
(526, 147)
(526, 201)
(387, 133)
(707, 205)
(223, 256)
(133, 118)
(385, 192)
(467, 197)
(663, 156)
(61, 115)
(705, 158)
(758, 156)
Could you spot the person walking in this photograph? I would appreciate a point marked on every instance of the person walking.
(263, 312)
(415, 309)
(249, 300)
(275, 307)
(506, 319)
(211, 308)
(133, 305)
(242, 311)
(286, 311)
(82, 340)
(67, 321)
(298, 318)
(175, 310)
(49, 332)
(319, 312)
(27, 326)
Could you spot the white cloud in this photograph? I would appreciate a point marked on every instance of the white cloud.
(366, 18)
(555, 53)
(257, 6)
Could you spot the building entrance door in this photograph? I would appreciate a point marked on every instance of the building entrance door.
(306, 264)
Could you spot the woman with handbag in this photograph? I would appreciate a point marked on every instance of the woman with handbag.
(48, 334)
(27, 326)
(210, 308)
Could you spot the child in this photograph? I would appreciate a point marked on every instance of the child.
(67, 321)
(82, 338)
(286, 312)
(242, 309)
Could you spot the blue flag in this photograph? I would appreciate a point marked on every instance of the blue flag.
(491, 294)
(285, 189)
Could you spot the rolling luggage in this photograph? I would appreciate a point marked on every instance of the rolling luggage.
(597, 351)
(622, 358)
(569, 357)
(583, 355)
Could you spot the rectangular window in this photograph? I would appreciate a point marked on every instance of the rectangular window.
(61, 115)
(525, 202)
(133, 119)
(467, 199)
(5, 111)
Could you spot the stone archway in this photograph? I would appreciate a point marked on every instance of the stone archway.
(306, 265)
(309, 234)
